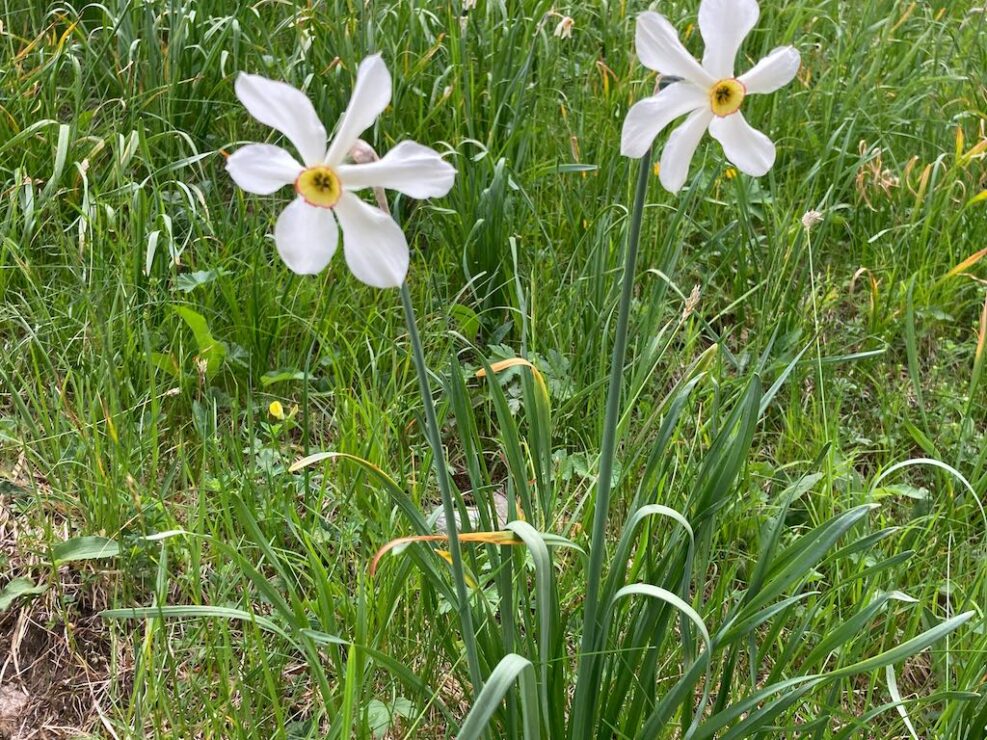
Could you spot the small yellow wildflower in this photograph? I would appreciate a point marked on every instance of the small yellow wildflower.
(276, 410)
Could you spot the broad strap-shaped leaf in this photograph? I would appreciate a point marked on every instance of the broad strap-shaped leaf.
(511, 668)
(84, 548)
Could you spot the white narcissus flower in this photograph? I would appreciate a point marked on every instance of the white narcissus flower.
(564, 28)
(306, 232)
(708, 93)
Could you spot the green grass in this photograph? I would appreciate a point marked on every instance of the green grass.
(146, 324)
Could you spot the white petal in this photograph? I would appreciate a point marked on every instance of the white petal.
(306, 237)
(409, 168)
(262, 168)
(750, 150)
(374, 245)
(724, 25)
(371, 94)
(286, 109)
(774, 71)
(646, 118)
(681, 146)
(658, 48)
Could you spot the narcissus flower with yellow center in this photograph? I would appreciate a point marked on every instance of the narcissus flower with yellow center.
(708, 93)
(306, 232)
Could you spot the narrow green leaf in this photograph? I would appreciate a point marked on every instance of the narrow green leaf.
(398, 496)
(852, 627)
(906, 649)
(195, 612)
(711, 728)
(350, 689)
(900, 706)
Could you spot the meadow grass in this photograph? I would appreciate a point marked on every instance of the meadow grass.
(164, 571)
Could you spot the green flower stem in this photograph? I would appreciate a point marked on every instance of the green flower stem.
(592, 642)
(445, 488)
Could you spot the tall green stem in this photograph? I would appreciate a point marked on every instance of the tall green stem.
(445, 488)
(585, 703)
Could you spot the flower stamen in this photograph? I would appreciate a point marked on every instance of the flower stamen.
(319, 186)
(726, 96)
